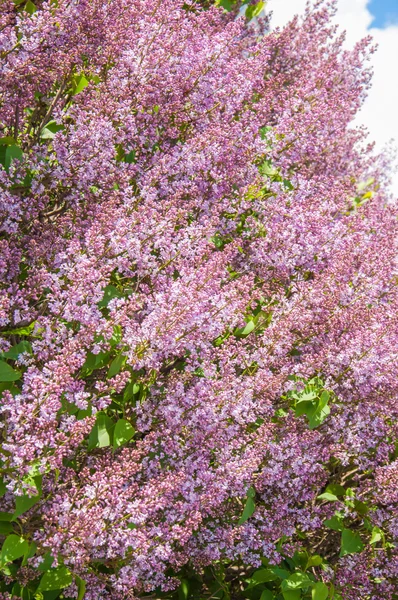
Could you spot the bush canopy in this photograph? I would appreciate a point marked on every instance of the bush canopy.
(198, 308)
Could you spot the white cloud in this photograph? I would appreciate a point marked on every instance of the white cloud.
(380, 111)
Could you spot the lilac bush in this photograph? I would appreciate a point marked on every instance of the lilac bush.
(198, 308)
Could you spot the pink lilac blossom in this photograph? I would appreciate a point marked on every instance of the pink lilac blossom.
(200, 174)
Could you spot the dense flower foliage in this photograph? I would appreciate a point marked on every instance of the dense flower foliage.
(198, 309)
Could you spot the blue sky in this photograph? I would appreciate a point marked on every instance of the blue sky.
(384, 12)
(359, 18)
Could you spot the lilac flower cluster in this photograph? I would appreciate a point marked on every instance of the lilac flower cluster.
(198, 304)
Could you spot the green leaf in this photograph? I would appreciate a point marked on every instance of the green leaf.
(55, 579)
(14, 547)
(51, 595)
(314, 561)
(5, 528)
(264, 131)
(81, 588)
(251, 492)
(46, 563)
(227, 4)
(304, 408)
(296, 581)
(304, 397)
(336, 489)
(24, 503)
(318, 416)
(351, 542)
(250, 507)
(17, 590)
(300, 559)
(123, 432)
(30, 7)
(21, 330)
(10, 387)
(264, 575)
(110, 292)
(8, 140)
(116, 365)
(130, 157)
(49, 131)
(324, 399)
(281, 573)
(131, 390)
(7, 373)
(23, 592)
(327, 496)
(361, 507)
(244, 331)
(377, 535)
(254, 10)
(267, 169)
(80, 83)
(335, 523)
(5, 516)
(288, 184)
(18, 349)
(291, 594)
(29, 554)
(320, 591)
(267, 595)
(101, 434)
(8, 154)
(183, 590)
(116, 336)
(96, 361)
